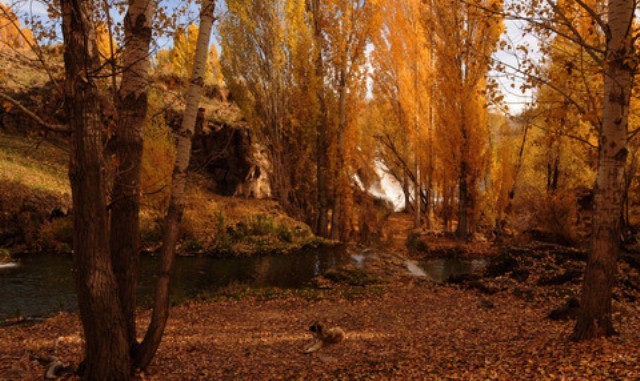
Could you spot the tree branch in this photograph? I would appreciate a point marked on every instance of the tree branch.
(29, 113)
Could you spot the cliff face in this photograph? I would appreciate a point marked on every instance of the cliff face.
(230, 157)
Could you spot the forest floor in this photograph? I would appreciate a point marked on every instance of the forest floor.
(408, 328)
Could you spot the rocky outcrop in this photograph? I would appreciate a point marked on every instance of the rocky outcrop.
(229, 156)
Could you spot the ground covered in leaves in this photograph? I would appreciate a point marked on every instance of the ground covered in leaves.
(411, 329)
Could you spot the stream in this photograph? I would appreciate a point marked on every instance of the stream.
(42, 284)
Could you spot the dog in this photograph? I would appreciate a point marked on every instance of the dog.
(323, 336)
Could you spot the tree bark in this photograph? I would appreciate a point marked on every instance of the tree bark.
(128, 141)
(160, 314)
(465, 205)
(337, 226)
(462, 231)
(594, 319)
(322, 144)
(106, 350)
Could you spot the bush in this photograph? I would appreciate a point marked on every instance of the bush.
(193, 246)
(262, 225)
(284, 233)
(222, 242)
(556, 216)
(415, 244)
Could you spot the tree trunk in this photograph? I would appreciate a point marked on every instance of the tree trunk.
(160, 314)
(322, 144)
(462, 231)
(132, 111)
(594, 319)
(338, 217)
(106, 348)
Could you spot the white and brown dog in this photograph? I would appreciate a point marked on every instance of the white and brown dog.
(324, 336)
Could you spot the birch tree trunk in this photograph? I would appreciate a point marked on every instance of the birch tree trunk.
(106, 350)
(595, 315)
(160, 314)
(132, 111)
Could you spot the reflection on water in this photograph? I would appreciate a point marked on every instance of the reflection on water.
(441, 268)
(43, 284)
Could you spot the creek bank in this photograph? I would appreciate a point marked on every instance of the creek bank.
(549, 275)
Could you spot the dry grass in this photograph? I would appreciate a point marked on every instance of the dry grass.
(33, 162)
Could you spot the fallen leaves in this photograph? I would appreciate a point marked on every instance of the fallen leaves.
(409, 329)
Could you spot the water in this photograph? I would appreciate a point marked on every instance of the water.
(440, 269)
(42, 284)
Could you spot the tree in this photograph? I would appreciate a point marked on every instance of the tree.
(463, 58)
(106, 250)
(265, 50)
(350, 24)
(595, 319)
(609, 43)
(160, 314)
(106, 347)
(12, 35)
(402, 83)
(179, 59)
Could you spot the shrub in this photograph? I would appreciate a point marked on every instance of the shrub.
(193, 246)
(415, 243)
(262, 225)
(556, 216)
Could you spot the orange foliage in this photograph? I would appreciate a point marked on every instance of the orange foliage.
(12, 35)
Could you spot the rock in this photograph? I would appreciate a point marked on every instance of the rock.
(232, 159)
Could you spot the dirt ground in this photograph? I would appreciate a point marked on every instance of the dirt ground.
(411, 330)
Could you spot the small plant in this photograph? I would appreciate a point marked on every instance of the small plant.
(262, 225)
(223, 241)
(192, 246)
(284, 233)
(5, 256)
(415, 244)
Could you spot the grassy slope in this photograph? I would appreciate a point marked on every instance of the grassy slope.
(35, 163)
(33, 167)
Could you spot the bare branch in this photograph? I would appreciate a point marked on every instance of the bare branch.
(29, 113)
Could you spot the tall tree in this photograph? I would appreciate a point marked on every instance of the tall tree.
(131, 108)
(107, 354)
(463, 57)
(595, 318)
(402, 81)
(265, 50)
(350, 24)
(160, 314)
(604, 31)
(106, 250)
